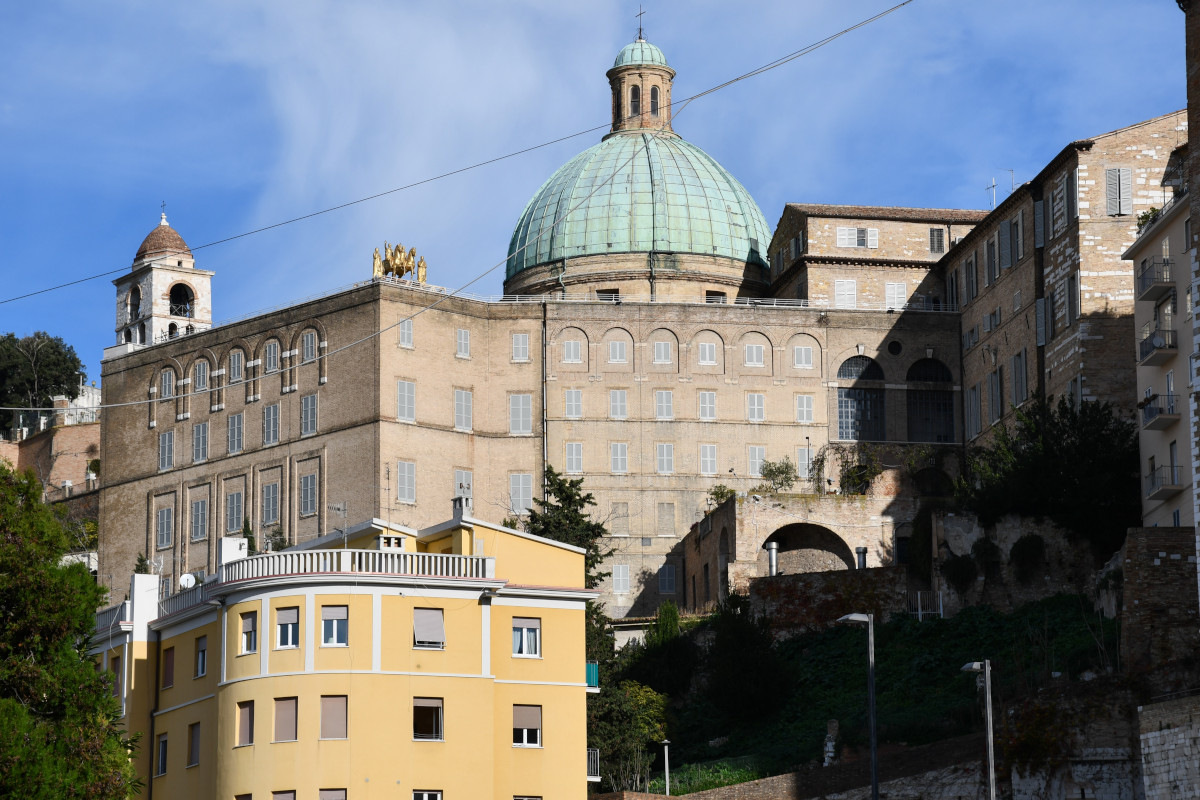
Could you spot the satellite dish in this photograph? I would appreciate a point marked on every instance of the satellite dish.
(1157, 341)
(187, 580)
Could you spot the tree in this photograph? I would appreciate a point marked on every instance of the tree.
(34, 369)
(562, 516)
(60, 733)
(719, 493)
(779, 476)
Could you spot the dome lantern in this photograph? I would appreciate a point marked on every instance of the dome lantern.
(640, 80)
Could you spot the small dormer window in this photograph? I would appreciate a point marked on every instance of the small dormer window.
(654, 101)
(635, 101)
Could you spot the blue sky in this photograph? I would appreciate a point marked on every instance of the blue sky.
(240, 115)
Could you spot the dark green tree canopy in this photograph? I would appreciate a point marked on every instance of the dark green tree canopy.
(563, 517)
(34, 369)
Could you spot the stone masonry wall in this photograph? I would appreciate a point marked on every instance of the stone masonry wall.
(1161, 624)
(1170, 745)
(805, 602)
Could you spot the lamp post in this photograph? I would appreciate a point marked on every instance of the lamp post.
(870, 620)
(985, 667)
(666, 743)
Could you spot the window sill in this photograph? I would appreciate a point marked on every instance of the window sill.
(288, 647)
(283, 741)
(201, 675)
(429, 647)
(162, 547)
(338, 739)
(247, 653)
(521, 361)
(270, 444)
(308, 435)
(523, 655)
(189, 766)
(334, 645)
(527, 746)
(305, 515)
(241, 746)
(428, 739)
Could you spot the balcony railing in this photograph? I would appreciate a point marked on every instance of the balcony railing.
(110, 617)
(1155, 280)
(593, 764)
(925, 605)
(593, 675)
(1160, 412)
(1164, 482)
(1157, 346)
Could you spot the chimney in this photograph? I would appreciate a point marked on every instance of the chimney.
(772, 558)
(461, 507)
(862, 557)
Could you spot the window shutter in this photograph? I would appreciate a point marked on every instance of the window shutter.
(1040, 313)
(1005, 236)
(285, 719)
(248, 621)
(527, 716)
(428, 626)
(1126, 190)
(527, 622)
(1073, 194)
(288, 616)
(1112, 191)
(1038, 235)
(841, 237)
(873, 237)
(1050, 207)
(333, 716)
(333, 612)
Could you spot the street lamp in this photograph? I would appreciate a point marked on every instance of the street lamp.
(870, 620)
(985, 667)
(666, 743)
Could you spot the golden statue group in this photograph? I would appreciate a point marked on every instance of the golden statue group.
(399, 263)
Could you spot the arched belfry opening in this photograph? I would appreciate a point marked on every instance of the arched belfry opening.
(805, 547)
(183, 301)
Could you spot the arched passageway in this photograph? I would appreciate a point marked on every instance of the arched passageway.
(804, 547)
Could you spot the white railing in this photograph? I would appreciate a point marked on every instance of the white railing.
(109, 617)
(925, 605)
(185, 599)
(378, 562)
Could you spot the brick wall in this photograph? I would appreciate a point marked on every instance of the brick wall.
(798, 603)
(1161, 623)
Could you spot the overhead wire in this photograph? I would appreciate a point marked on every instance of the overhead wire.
(480, 276)
(683, 103)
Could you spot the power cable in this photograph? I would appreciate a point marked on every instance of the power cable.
(753, 73)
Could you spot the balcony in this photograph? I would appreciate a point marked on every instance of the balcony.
(1164, 482)
(593, 676)
(1160, 412)
(1157, 346)
(109, 618)
(593, 775)
(1155, 280)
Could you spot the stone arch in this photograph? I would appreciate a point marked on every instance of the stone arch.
(182, 299)
(200, 358)
(930, 401)
(707, 336)
(260, 351)
(806, 547)
(611, 336)
(310, 326)
(571, 334)
(657, 336)
(746, 342)
(793, 361)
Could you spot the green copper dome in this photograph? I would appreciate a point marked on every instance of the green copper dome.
(640, 52)
(652, 193)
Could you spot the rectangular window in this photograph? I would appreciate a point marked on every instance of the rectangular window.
(335, 626)
(754, 355)
(662, 352)
(527, 726)
(201, 665)
(804, 408)
(845, 294)
(620, 578)
(666, 579)
(708, 405)
(237, 363)
(166, 450)
(1118, 185)
(199, 519)
(1016, 231)
(858, 237)
(574, 452)
(166, 384)
(406, 482)
(429, 628)
(463, 479)
(427, 718)
(995, 396)
(333, 716)
(201, 376)
(616, 352)
(971, 277)
(270, 424)
(250, 632)
(308, 346)
(617, 408)
(664, 406)
(757, 455)
(245, 722)
(287, 627)
(406, 401)
(426, 794)
(462, 410)
(971, 411)
(713, 296)
(406, 333)
(619, 457)
(285, 719)
(160, 761)
(193, 744)
(1019, 386)
(271, 357)
(573, 403)
(334, 794)
(571, 352)
(952, 290)
(756, 407)
(520, 414)
(991, 272)
(235, 433)
(308, 495)
(168, 668)
(233, 512)
(665, 458)
(520, 493)
(163, 527)
(708, 353)
(520, 347)
(666, 521)
(270, 503)
(1072, 298)
(802, 357)
(804, 463)
(462, 343)
(896, 295)
(200, 442)
(527, 636)
(308, 415)
(937, 240)
(619, 519)
(708, 459)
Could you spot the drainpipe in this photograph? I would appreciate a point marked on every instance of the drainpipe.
(545, 452)
(154, 713)
(772, 558)
(862, 557)
(651, 257)
(562, 287)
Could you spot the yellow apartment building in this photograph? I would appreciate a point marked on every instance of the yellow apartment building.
(434, 664)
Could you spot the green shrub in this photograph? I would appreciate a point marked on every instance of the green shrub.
(960, 572)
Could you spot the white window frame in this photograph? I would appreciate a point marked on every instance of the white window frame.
(756, 407)
(164, 527)
(620, 579)
(666, 579)
(707, 353)
(199, 519)
(406, 334)
(287, 634)
(520, 414)
(664, 458)
(406, 482)
(755, 355)
(237, 366)
(845, 293)
(574, 457)
(617, 352)
(896, 295)
(249, 639)
(308, 415)
(804, 463)
(755, 456)
(573, 403)
(618, 458)
(235, 508)
(308, 345)
(270, 503)
(308, 494)
(464, 479)
(235, 436)
(520, 347)
(526, 639)
(802, 356)
(664, 404)
(199, 442)
(708, 406)
(708, 459)
(335, 635)
(571, 350)
(463, 409)
(406, 401)
(618, 407)
(804, 408)
(200, 381)
(520, 492)
(166, 450)
(166, 384)
(271, 424)
(462, 343)
(662, 352)
(271, 357)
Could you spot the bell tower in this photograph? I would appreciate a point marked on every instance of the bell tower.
(641, 88)
(163, 295)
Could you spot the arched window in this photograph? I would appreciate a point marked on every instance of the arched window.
(166, 384)
(181, 301)
(654, 101)
(930, 402)
(141, 339)
(929, 370)
(858, 368)
(200, 376)
(635, 101)
(861, 406)
(172, 331)
(128, 335)
(135, 303)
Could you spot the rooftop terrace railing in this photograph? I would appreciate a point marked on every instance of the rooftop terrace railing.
(109, 617)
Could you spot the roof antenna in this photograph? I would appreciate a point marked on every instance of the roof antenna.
(992, 188)
(639, 19)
